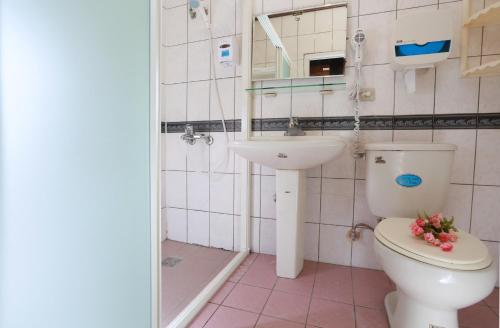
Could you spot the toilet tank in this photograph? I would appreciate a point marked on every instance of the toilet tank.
(404, 179)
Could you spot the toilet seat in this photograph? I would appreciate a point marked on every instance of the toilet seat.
(469, 253)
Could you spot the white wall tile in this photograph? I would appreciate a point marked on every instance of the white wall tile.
(381, 78)
(198, 105)
(174, 102)
(334, 246)
(343, 166)
(420, 102)
(485, 213)
(175, 152)
(223, 17)
(174, 64)
(403, 4)
(311, 241)
(226, 90)
(268, 236)
(221, 193)
(176, 25)
(268, 191)
(221, 158)
(363, 251)
(221, 231)
(256, 200)
(458, 205)
(362, 213)
(488, 157)
(454, 94)
(489, 97)
(197, 157)
(198, 228)
(198, 191)
(176, 189)
(177, 224)
(463, 166)
(378, 37)
(199, 61)
(173, 3)
(376, 6)
(270, 6)
(313, 199)
(307, 104)
(338, 103)
(337, 199)
(413, 135)
(279, 105)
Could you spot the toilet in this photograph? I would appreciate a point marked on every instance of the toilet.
(432, 285)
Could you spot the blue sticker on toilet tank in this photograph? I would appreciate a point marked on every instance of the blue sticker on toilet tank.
(409, 180)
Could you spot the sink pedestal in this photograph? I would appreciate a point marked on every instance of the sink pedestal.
(290, 204)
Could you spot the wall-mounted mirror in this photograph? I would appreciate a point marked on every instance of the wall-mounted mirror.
(310, 42)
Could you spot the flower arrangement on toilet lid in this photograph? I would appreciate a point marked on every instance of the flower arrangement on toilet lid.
(435, 230)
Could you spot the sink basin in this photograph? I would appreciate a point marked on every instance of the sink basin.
(290, 153)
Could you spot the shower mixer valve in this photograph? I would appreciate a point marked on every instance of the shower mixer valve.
(190, 137)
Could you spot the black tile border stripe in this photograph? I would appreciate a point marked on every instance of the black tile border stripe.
(389, 122)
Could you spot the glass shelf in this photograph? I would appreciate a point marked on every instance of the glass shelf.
(323, 88)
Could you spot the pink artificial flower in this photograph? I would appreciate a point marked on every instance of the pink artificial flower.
(435, 220)
(444, 237)
(447, 247)
(452, 237)
(416, 230)
(436, 242)
(420, 222)
(429, 237)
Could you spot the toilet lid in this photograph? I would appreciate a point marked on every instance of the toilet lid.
(469, 253)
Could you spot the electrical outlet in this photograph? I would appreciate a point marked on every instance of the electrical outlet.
(367, 94)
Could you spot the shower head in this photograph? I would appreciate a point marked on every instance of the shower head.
(196, 7)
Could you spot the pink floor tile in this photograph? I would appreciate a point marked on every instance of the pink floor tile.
(226, 317)
(477, 316)
(371, 318)
(492, 300)
(201, 319)
(238, 273)
(287, 306)
(268, 322)
(303, 284)
(250, 259)
(334, 283)
(248, 298)
(262, 273)
(327, 314)
(370, 287)
(223, 292)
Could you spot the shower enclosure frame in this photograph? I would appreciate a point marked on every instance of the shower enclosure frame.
(197, 304)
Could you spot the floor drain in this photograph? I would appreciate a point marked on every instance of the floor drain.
(171, 261)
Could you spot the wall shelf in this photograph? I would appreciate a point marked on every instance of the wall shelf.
(488, 16)
(485, 17)
(323, 88)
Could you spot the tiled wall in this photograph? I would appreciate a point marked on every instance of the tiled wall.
(202, 207)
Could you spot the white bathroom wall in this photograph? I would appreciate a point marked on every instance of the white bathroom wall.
(203, 207)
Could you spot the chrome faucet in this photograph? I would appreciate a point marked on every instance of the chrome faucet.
(294, 128)
(191, 138)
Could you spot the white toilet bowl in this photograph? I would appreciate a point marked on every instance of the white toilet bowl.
(431, 284)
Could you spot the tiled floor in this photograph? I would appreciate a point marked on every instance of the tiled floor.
(323, 296)
(181, 283)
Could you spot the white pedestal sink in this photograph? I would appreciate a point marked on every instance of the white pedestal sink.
(290, 156)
